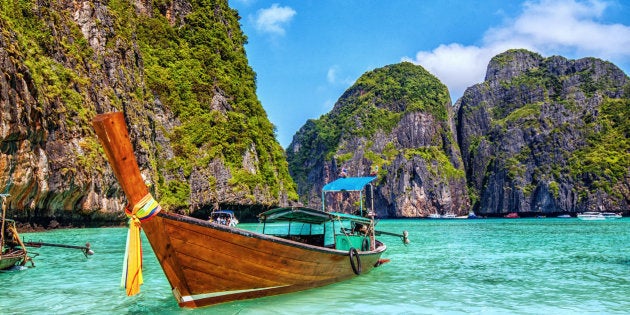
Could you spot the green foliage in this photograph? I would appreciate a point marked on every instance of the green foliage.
(527, 112)
(554, 188)
(43, 34)
(475, 141)
(509, 56)
(190, 65)
(380, 160)
(390, 152)
(436, 157)
(342, 158)
(514, 168)
(175, 194)
(403, 88)
(377, 101)
(606, 158)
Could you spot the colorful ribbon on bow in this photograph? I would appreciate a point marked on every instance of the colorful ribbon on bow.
(144, 210)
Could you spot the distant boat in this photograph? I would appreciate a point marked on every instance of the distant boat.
(592, 215)
(472, 215)
(564, 216)
(448, 215)
(611, 215)
(224, 217)
(208, 263)
(511, 215)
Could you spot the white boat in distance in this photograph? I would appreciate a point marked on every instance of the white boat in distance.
(449, 215)
(591, 215)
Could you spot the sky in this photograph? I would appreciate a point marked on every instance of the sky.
(306, 53)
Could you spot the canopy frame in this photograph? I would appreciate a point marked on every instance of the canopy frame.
(349, 184)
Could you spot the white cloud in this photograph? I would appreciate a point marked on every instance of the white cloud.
(273, 19)
(331, 75)
(566, 27)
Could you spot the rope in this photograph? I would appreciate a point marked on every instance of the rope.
(4, 209)
(16, 238)
(144, 210)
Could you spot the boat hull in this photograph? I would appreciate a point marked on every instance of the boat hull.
(598, 216)
(12, 259)
(208, 263)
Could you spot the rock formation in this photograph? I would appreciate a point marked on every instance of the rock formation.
(65, 61)
(394, 122)
(546, 135)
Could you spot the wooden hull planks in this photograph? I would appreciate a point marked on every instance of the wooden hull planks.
(207, 263)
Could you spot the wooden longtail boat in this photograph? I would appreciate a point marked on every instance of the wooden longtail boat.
(12, 250)
(208, 263)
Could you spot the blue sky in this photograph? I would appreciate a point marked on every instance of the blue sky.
(306, 53)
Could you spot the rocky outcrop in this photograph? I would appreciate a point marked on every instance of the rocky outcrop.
(538, 135)
(393, 122)
(64, 62)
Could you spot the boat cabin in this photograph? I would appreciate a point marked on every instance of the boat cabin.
(336, 230)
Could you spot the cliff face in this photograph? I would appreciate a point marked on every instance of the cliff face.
(179, 73)
(539, 135)
(546, 135)
(393, 122)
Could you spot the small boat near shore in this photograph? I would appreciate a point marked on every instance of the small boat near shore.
(593, 215)
(448, 215)
(208, 263)
(224, 217)
(12, 251)
(611, 215)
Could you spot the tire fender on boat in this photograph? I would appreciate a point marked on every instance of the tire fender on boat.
(355, 261)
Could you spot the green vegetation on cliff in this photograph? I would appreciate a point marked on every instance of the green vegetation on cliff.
(605, 160)
(392, 118)
(60, 89)
(200, 72)
(377, 101)
(192, 60)
(552, 130)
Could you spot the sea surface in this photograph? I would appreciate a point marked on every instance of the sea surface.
(484, 266)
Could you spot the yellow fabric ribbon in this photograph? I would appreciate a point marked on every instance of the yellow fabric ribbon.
(144, 210)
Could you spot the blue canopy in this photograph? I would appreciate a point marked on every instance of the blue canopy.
(348, 184)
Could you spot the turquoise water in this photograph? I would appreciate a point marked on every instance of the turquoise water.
(493, 266)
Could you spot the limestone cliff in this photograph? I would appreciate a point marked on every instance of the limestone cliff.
(395, 122)
(546, 135)
(178, 71)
